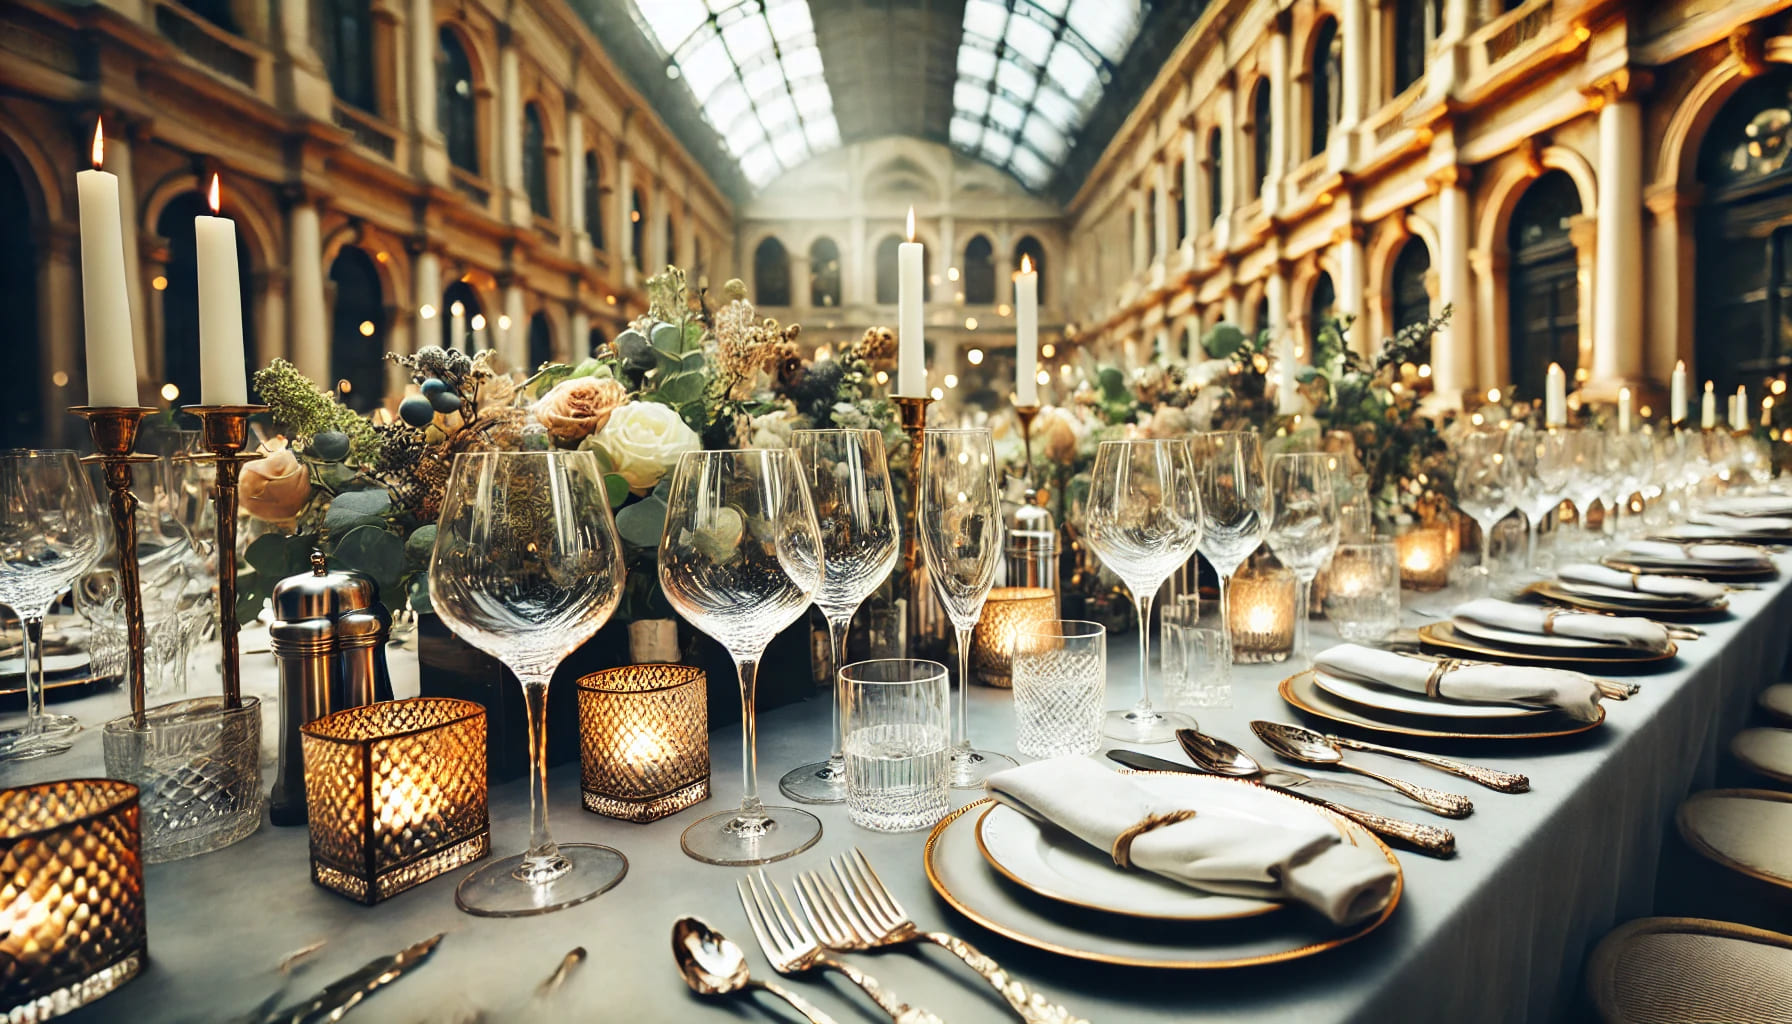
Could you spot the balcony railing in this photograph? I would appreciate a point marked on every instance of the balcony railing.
(471, 187)
(1512, 30)
(368, 130)
(221, 52)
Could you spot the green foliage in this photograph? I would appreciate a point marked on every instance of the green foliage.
(302, 410)
(1223, 340)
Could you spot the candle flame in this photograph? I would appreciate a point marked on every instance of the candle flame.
(1679, 366)
(1026, 264)
(1555, 367)
(99, 144)
(911, 223)
(213, 196)
(1709, 387)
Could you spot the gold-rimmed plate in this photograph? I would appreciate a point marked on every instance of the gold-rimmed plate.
(1303, 695)
(965, 880)
(1744, 572)
(1445, 637)
(1552, 590)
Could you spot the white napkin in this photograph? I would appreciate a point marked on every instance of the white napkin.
(1299, 857)
(1742, 526)
(1471, 682)
(1619, 630)
(1751, 505)
(1642, 583)
(1695, 553)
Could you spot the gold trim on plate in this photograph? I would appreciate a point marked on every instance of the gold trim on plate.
(1344, 716)
(1752, 573)
(1434, 635)
(1549, 590)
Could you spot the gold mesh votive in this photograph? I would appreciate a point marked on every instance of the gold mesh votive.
(71, 885)
(396, 794)
(1260, 614)
(643, 740)
(1426, 556)
(1008, 611)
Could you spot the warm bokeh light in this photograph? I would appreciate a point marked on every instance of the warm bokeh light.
(478, 322)
(883, 377)
(159, 283)
(974, 357)
(503, 321)
(1043, 377)
(366, 328)
(938, 394)
(457, 309)
(426, 311)
(59, 378)
(951, 380)
(170, 391)
(951, 273)
(1047, 350)
(970, 323)
(345, 386)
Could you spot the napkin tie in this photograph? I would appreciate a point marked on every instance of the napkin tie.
(1122, 851)
(1440, 668)
(1549, 621)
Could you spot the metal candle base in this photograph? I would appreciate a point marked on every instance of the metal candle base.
(114, 432)
(224, 431)
(913, 413)
(1025, 414)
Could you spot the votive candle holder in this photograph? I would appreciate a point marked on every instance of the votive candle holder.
(1009, 612)
(1260, 614)
(643, 740)
(1427, 554)
(396, 794)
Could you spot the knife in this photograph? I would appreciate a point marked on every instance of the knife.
(1426, 839)
(348, 992)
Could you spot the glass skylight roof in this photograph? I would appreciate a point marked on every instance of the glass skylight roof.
(755, 70)
(1029, 72)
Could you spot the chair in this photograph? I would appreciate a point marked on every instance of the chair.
(1680, 970)
(1776, 700)
(1765, 752)
(1746, 830)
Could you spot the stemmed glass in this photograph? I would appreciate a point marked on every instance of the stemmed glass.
(1543, 463)
(527, 566)
(1144, 521)
(1303, 531)
(51, 532)
(741, 559)
(849, 487)
(1234, 503)
(961, 541)
(1485, 485)
(1587, 479)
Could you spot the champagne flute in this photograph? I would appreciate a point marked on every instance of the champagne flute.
(1234, 504)
(51, 532)
(1143, 521)
(961, 541)
(1303, 530)
(1484, 486)
(741, 559)
(527, 566)
(849, 487)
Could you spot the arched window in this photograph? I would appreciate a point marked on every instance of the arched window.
(1216, 174)
(1029, 247)
(888, 284)
(1543, 286)
(346, 37)
(180, 299)
(1152, 209)
(467, 332)
(979, 272)
(541, 341)
(671, 241)
(535, 161)
(637, 229)
(1321, 304)
(1179, 208)
(824, 273)
(1328, 85)
(1412, 302)
(1262, 127)
(771, 274)
(595, 340)
(1744, 235)
(357, 330)
(22, 422)
(1416, 25)
(594, 200)
(457, 110)
(218, 12)
(1262, 314)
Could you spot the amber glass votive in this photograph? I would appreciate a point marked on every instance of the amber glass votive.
(1260, 614)
(396, 794)
(643, 740)
(1008, 611)
(1426, 555)
(71, 895)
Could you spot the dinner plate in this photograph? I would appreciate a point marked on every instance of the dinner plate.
(54, 664)
(1301, 693)
(1445, 637)
(1553, 641)
(963, 878)
(1582, 595)
(1741, 571)
(1641, 599)
(1401, 702)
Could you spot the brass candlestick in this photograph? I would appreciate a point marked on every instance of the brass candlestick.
(114, 431)
(224, 431)
(913, 411)
(1025, 414)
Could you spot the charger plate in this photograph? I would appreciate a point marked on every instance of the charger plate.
(1303, 695)
(1747, 572)
(1550, 590)
(966, 881)
(1501, 637)
(1444, 636)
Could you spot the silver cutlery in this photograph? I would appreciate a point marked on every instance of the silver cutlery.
(1309, 747)
(349, 991)
(853, 910)
(1219, 757)
(793, 949)
(1492, 778)
(714, 966)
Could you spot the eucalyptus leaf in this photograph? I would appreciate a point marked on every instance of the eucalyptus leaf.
(276, 556)
(421, 544)
(642, 523)
(616, 489)
(373, 551)
(681, 388)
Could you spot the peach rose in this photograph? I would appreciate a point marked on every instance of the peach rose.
(577, 408)
(274, 487)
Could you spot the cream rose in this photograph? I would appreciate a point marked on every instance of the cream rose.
(274, 487)
(577, 408)
(644, 440)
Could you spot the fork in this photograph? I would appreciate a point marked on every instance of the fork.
(854, 910)
(792, 948)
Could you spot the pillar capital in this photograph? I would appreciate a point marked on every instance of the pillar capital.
(1620, 85)
(1449, 176)
(1749, 48)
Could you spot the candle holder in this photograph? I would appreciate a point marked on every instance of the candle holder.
(224, 431)
(1007, 613)
(1025, 414)
(114, 431)
(396, 793)
(1426, 555)
(913, 414)
(72, 870)
(643, 740)
(1260, 614)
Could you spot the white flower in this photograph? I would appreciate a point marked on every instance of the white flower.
(848, 416)
(771, 430)
(644, 440)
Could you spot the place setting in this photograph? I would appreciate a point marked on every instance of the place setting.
(1602, 588)
(1716, 560)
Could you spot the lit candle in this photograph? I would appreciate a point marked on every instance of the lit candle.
(106, 305)
(1739, 411)
(1624, 410)
(221, 377)
(1555, 397)
(1026, 334)
(911, 367)
(1708, 408)
(1677, 394)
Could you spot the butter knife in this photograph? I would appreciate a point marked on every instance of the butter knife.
(348, 992)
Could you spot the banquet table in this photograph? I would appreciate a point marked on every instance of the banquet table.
(1498, 933)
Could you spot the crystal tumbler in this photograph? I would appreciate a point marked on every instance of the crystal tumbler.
(1060, 687)
(1362, 597)
(897, 738)
(197, 763)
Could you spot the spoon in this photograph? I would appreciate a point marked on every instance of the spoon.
(1309, 747)
(714, 966)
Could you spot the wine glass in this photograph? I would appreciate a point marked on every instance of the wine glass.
(1234, 502)
(961, 541)
(741, 559)
(1543, 464)
(1485, 488)
(849, 488)
(1144, 521)
(1587, 479)
(527, 566)
(1303, 530)
(51, 532)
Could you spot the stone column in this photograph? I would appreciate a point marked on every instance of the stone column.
(1231, 310)
(1452, 350)
(310, 344)
(1583, 234)
(270, 322)
(427, 281)
(1191, 207)
(578, 347)
(513, 348)
(1445, 66)
(1160, 212)
(1352, 279)
(853, 264)
(510, 129)
(575, 181)
(1618, 270)
(398, 339)
(59, 329)
(1141, 255)
(1491, 361)
(1354, 28)
(1670, 320)
(1228, 168)
(1279, 106)
(799, 279)
(304, 85)
(1275, 290)
(625, 204)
